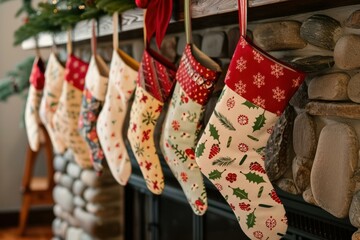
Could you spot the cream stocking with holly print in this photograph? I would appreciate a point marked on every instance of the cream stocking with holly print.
(96, 82)
(54, 76)
(183, 121)
(154, 84)
(257, 91)
(122, 80)
(32, 118)
(66, 116)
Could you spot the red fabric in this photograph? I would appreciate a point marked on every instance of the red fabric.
(75, 72)
(37, 77)
(157, 18)
(196, 80)
(156, 75)
(262, 79)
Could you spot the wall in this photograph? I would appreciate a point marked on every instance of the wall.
(12, 137)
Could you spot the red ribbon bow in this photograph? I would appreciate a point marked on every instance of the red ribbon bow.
(157, 17)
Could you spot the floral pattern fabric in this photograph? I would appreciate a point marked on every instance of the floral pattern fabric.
(54, 75)
(32, 118)
(92, 102)
(230, 151)
(122, 81)
(182, 124)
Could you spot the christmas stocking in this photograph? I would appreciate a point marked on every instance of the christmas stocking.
(230, 152)
(183, 121)
(154, 84)
(54, 76)
(32, 119)
(96, 82)
(67, 115)
(123, 74)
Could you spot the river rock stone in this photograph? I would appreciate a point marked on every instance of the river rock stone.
(56, 226)
(63, 197)
(301, 172)
(60, 163)
(79, 201)
(321, 30)
(353, 20)
(57, 176)
(334, 164)
(168, 48)
(74, 233)
(347, 52)
(68, 155)
(280, 35)
(311, 64)
(196, 39)
(277, 159)
(78, 187)
(103, 194)
(309, 197)
(287, 185)
(353, 88)
(300, 98)
(354, 212)
(304, 136)
(345, 110)
(111, 209)
(214, 44)
(73, 170)
(356, 235)
(96, 226)
(331, 87)
(66, 181)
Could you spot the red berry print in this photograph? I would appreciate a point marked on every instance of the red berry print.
(244, 206)
(184, 98)
(258, 235)
(190, 153)
(243, 147)
(255, 166)
(274, 196)
(144, 98)
(133, 128)
(159, 108)
(230, 103)
(148, 165)
(231, 177)
(270, 130)
(175, 125)
(270, 223)
(200, 204)
(155, 185)
(232, 206)
(184, 176)
(214, 150)
(243, 120)
(145, 135)
(218, 186)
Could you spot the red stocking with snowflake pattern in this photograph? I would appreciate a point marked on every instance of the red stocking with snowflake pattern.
(257, 90)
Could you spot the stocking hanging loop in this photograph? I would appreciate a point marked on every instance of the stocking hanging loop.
(116, 30)
(93, 37)
(54, 47)
(242, 12)
(187, 20)
(69, 42)
(37, 49)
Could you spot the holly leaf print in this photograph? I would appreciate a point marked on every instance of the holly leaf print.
(224, 161)
(251, 219)
(240, 193)
(215, 174)
(259, 122)
(224, 121)
(200, 149)
(253, 177)
(214, 132)
(250, 105)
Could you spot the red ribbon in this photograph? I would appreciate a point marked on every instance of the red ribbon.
(157, 17)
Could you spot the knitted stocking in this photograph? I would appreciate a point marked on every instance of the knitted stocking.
(67, 115)
(96, 82)
(54, 76)
(123, 73)
(183, 120)
(32, 119)
(230, 152)
(154, 84)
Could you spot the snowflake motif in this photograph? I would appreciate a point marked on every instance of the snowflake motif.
(277, 70)
(243, 43)
(270, 223)
(240, 88)
(243, 147)
(227, 77)
(279, 94)
(230, 103)
(257, 56)
(258, 235)
(259, 101)
(296, 82)
(259, 80)
(241, 64)
(242, 119)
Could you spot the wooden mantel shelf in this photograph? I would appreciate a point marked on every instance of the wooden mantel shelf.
(207, 13)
